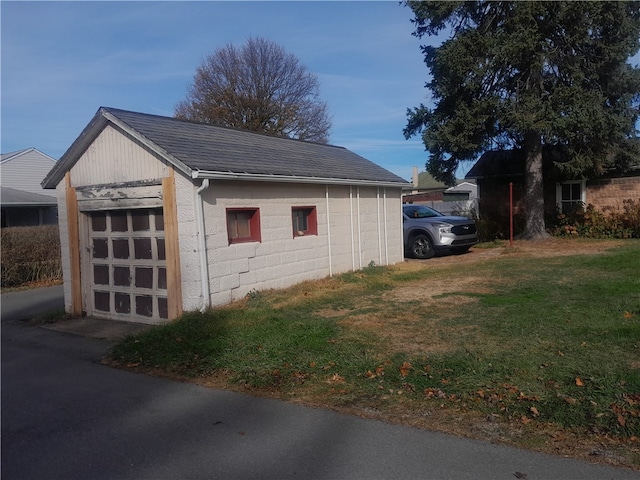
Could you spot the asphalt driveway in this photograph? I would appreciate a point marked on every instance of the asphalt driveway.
(66, 416)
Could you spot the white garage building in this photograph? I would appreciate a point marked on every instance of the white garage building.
(159, 216)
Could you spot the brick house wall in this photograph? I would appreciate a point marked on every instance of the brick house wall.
(611, 192)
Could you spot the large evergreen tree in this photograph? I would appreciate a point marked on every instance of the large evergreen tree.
(526, 75)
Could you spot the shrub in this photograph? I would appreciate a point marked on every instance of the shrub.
(608, 222)
(30, 254)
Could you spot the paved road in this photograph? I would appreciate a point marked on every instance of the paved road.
(27, 303)
(66, 416)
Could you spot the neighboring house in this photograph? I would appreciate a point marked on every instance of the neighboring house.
(426, 190)
(24, 202)
(160, 216)
(462, 191)
(496, 169)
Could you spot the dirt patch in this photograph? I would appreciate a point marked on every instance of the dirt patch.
(552, 247)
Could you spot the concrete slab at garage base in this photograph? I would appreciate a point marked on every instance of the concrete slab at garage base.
(111, 330)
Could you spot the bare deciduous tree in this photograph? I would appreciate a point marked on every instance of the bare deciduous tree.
(257, 87)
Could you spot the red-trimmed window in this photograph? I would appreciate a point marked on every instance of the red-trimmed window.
(305, 221)
(243, 225)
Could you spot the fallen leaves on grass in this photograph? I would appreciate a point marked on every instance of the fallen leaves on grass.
(405, 369)
(335, 378)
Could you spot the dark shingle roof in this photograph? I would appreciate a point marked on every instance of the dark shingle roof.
(207, 148)
(498, 163)
(13, 197)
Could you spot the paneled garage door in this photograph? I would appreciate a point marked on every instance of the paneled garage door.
(128, 265)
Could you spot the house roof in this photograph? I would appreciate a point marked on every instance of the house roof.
(6, 157)
(207, 151)
(497, 163)
(511, 163)
(427, 182)
(19, 198)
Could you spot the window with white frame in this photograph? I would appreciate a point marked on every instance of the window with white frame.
(304, 221)
(571, 196)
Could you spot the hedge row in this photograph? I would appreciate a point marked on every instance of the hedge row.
(30, 254)
(607, 222)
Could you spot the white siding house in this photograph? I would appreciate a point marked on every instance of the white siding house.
(24, 201)
(160, 216)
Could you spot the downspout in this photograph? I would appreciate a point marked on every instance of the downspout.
(359, 229)
(379, 230)
(202, 246)
(386, 228)
(328, 230)
(353, 240)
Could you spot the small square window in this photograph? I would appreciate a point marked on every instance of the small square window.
(140, 220)
(101, 274)
(98, 221)
(243, 225)
(119, 221)
(304, 221)
(123, 303)
(100, 248)
(121, 276)
(144, 305)
(142, 248)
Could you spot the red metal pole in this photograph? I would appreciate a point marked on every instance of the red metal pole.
(510, 214)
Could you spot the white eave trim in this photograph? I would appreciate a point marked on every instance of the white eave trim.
(259, 177)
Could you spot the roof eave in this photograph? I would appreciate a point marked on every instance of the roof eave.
(258, 177)
(30, 204)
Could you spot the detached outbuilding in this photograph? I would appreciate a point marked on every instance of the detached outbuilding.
(159, 215)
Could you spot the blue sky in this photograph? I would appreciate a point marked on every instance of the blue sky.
(61, 61)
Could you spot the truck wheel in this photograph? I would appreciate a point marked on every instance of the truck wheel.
(421, 247)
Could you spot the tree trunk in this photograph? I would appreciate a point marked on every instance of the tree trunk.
(534, 191)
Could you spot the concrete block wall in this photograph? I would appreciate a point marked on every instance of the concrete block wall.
(611, 192)
(280, 259)
(64, 244)
(188, 243)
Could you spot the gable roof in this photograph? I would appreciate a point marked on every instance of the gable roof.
(24, 170)
(497, 163)
(511, 163)
(7, 157)
(207, 151)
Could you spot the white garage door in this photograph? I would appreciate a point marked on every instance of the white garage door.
(128, 265)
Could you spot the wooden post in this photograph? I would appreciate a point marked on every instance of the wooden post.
(174, 278)
(73, 229)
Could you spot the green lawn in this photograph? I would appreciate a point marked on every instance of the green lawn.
(541, 348)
